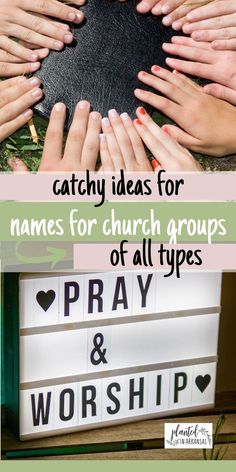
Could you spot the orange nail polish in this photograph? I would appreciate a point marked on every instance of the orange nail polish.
(138, 122)
(142, 111)
(154, 164)
(156, 68)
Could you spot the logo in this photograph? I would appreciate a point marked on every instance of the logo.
(188, 435)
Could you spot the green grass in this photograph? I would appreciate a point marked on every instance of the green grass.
(21, 145)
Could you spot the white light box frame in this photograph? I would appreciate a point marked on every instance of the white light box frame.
(108, 348)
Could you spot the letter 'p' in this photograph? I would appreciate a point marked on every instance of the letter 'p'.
(72, 292)
(179, 384)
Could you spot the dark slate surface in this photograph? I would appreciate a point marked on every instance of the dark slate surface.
(110, 48)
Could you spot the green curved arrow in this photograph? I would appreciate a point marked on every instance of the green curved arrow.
(54, 256)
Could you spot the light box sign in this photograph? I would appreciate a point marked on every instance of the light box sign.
(98, 349)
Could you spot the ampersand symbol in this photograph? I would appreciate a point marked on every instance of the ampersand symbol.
(100, 357)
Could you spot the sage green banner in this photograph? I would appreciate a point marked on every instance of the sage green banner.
(74, 222)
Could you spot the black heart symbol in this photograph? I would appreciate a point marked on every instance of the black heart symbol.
(202, 382)
(45, 299)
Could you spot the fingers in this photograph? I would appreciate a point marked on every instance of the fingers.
(5, 56)
(9, 127)
(106, 159)
(77, 134)
(164, 7)
(122, 139)
(229, 44)
(45, 28)
(152, 136)
(214, 34)
(16, 50)
(122, 145)
(164, 87)
(12, 70)
(136, 142)
(113, 146)
(17, 165)
(146, 5)
(171, 146)
(219, 91)
(92, 142)
(55, 9)
(16, 91)
(211, 10)
(181, 136)
(6, 84)
(192, 68)
(220, 22)
(17, 107)
(28, 35)
(191, 53)
(184, 41)
(176, 19)
(181, 88)
(52, 153)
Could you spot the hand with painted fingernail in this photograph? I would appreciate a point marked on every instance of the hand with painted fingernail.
(205, 124)
(33, 21)
(82, 144)
(17, 95)
(121, 146)
(203, 61)
(167, 152)
(214, 22)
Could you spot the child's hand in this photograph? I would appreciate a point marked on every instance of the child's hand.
(82, 144)
(203, 61)
(214, 22)
(121, 146)
(28, 20)
(16, 97)
(206, 124)
(168, 153)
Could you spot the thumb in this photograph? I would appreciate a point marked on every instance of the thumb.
(17, 165)
(180, 136)
(219, 91)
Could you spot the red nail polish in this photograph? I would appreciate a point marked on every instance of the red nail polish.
(144, 74)
(142, 111)
(154, 164)
(156, 68)
(165, 129)
(138, 122)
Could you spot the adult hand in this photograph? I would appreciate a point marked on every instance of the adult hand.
(28, 20)
(175, 9)
(205, 124)
(82, 144)
(214, 22)
(178, 10)
(203, 61)
(17, 95)
(12, 66)
(169, 155)
(121, 147)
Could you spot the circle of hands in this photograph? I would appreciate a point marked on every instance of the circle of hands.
(203, 116)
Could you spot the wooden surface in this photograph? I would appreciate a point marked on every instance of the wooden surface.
(151, 454)
(142, 440)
